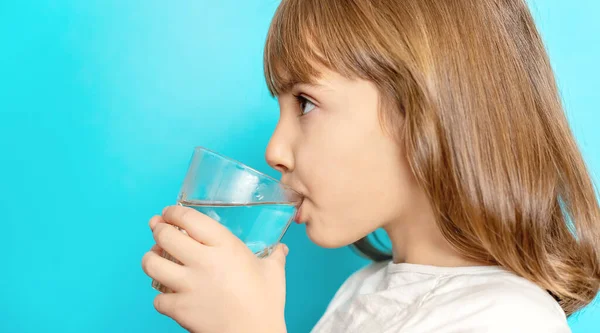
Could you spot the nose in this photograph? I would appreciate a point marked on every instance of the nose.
(280, 155)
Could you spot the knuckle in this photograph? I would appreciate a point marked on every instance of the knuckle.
(163, 235)
(187, 282)
(186, 213)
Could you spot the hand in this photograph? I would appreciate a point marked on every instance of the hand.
(220, 286)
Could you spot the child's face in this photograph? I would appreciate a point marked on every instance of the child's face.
(354, 175)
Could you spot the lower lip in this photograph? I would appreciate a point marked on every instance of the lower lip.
(298, 216)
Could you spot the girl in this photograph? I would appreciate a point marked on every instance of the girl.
(438, 121)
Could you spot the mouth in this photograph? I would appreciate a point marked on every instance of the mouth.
(298, 218)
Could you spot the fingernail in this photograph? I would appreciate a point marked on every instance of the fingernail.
(165, 210)
(286, 249)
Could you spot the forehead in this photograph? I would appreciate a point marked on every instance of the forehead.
(283, 75)
(327, 81)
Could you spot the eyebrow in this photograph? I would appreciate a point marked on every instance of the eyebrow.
(311, 86)
(290, 86)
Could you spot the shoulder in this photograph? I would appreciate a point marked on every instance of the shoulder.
(501, 302)
(373, 269)
(366, 277)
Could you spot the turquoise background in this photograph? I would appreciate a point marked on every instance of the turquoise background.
(101, 103)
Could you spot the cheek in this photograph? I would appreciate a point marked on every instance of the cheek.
(328, 159)
(354, 179)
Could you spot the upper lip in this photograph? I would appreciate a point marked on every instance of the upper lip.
(292, 186)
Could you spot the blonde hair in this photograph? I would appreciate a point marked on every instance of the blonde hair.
(484, 129)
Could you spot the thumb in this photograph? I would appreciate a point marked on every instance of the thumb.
(279, 254)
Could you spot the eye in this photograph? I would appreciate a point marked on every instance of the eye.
(305, 104)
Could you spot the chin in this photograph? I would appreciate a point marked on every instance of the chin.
(322, 238)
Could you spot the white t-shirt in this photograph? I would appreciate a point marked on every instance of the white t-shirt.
(392, 298)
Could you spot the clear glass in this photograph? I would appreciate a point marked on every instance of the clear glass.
(256, 208)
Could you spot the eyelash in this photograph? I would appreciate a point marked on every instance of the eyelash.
(301, 102)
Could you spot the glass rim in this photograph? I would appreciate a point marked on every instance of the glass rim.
(249, 168)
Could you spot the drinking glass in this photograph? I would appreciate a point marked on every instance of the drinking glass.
(258, 209)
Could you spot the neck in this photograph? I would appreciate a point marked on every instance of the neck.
(416, 239)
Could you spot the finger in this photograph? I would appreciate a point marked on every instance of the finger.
(279, 254)
(157, 249)
(166, 272)
(199, 226)
(154, 220)
(167, 304)
(177, 244)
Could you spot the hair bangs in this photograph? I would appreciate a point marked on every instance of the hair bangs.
(290, 56)
(305, 38)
